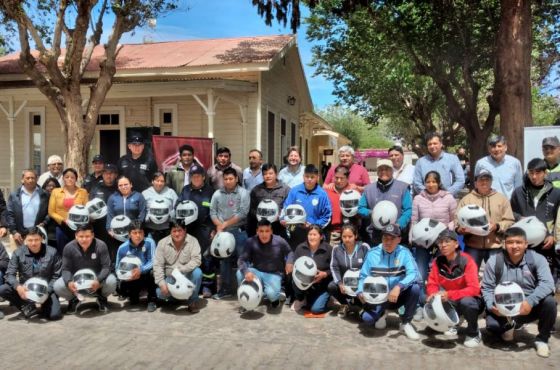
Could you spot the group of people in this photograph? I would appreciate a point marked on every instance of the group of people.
(347, 224)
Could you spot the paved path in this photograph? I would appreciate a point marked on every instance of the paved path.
(219, 338)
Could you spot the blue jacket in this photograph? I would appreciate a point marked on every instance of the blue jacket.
(134, 207)
(146, 251)
(399, 267)
(315, 202)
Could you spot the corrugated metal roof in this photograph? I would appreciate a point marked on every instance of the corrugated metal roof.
(181, 54)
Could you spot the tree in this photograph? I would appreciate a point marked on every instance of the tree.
(77, 25)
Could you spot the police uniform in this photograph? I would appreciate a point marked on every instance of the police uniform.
(140, 171)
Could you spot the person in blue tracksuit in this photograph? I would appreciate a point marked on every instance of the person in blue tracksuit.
(395, 263)
(144, 248)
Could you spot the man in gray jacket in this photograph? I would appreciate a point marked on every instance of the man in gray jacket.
(531, 272)
(182, 251)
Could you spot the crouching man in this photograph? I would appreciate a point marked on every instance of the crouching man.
(531, 272)
(34, 259)
(178, 251)
(86, 252)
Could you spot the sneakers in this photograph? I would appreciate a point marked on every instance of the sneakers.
(342, 310)
(297, 305)
(206, 292)
(418, 314)
(73, 305)
(542, 349)
(102, 304)
(242, 310)
(451, 332)
(409, 331)
(381, 322)
(472, 342)
(507, 336)
(282, 296)
(29, 310)
(275, 304)
(221, 295)
(152, 306)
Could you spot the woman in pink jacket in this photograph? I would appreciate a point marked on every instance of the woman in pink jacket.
(435, 203)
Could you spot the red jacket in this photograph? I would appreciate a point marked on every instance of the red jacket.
(334, 197)
(459, 277)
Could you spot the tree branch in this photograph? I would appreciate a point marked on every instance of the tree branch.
(94, 39)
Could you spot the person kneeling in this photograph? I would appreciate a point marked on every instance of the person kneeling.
(454, 276)
(86, 252)
(34, 259)
(531, 272)
(136, 276)
(181, 252)
(266, 254)
(396, 264)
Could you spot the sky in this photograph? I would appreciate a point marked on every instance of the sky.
(231, 18)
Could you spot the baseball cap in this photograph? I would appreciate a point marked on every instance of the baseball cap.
(53, 159)
(110, 167)
(484, 173)
(196, 170)
(551, 141)
(392, 229)
(97, 158)
(136, 139)
(447, 234)
(384, 162)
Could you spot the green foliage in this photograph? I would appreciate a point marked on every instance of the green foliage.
(546, 109)
(355, 128)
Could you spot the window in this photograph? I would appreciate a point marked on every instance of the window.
(36, 139)
(271, 135)
(293, 135)
(108, 119)
(166, 118)
(283, 137)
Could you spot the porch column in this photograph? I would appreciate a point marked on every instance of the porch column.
(11, 116)
(209, 108)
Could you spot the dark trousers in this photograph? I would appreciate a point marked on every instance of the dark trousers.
(133, 288)
(545, 312)
(469, 308)
(297, 235)
(408, 298)
(64, 235)
(334, 291)
(50, 309)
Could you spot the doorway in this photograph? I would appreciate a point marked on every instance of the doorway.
(109, 145)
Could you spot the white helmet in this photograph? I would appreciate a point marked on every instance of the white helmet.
(84, 279)
(508, 297)
(426, 232)
(350, 281)
(375, 289)
(126, 265)
(158, 210)
(440, 315)
(97, 208)
(119, 227)
(187, 211)
(383, 214)
(474, 219)
(37, 290)
(249, 294)
(180, 287)
(535, 231)
(77, 216)
(223, 245)
(295, 214)
(304, 272)
(349, 200)
(268, 209)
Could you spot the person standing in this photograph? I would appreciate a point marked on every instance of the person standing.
(137, 165)
(252, 175)
(401, 171)
(358, 176)
(179, 176)
(223, 162)
(159, 190)
(551, 154)
(292, 174)
(96, 177)
(54, 166)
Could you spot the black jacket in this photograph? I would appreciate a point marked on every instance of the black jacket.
(25, 265)
(140, 171)
(4, 259)
(91, 181)
(270, 257)
(96, 258)
(3, 211)
(102, 191)
(15, 212)
(279, 193)
(547, 205)
(322, 258)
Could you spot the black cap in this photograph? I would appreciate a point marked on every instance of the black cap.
(136, 139)
(196, 170)
(110, 167)
(551, 141)
(447, 234)
(98, 158)
(392, 229)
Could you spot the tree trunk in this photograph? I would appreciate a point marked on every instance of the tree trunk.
(513, 63)
(79, 137)
(476, 139)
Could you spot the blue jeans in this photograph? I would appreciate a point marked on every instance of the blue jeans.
(271, 283)
(195, 276)
(226, 264)
(423, 258)
(479, 255)
(408, 297)
(317, 297)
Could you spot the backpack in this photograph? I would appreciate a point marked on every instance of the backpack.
(500, 263)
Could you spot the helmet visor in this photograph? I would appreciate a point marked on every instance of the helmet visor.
(305, 279)
(123, 230)
(294, 212)
(350, 281)
(39, 289)
(159, 211)
(96, 206)
(478, 221)
(349, 203)
(375, 288)
(266, 212)
(509, 298)
(185, 212)
(82, 277)
(127, 266)
(78, 218)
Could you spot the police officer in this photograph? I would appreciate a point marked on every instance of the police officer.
(137, 165)
(94, 178)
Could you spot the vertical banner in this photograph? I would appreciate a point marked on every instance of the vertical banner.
(166, 150)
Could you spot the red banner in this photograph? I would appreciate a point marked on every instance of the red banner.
(166, 150)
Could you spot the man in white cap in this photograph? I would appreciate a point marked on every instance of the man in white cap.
(55, 166)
